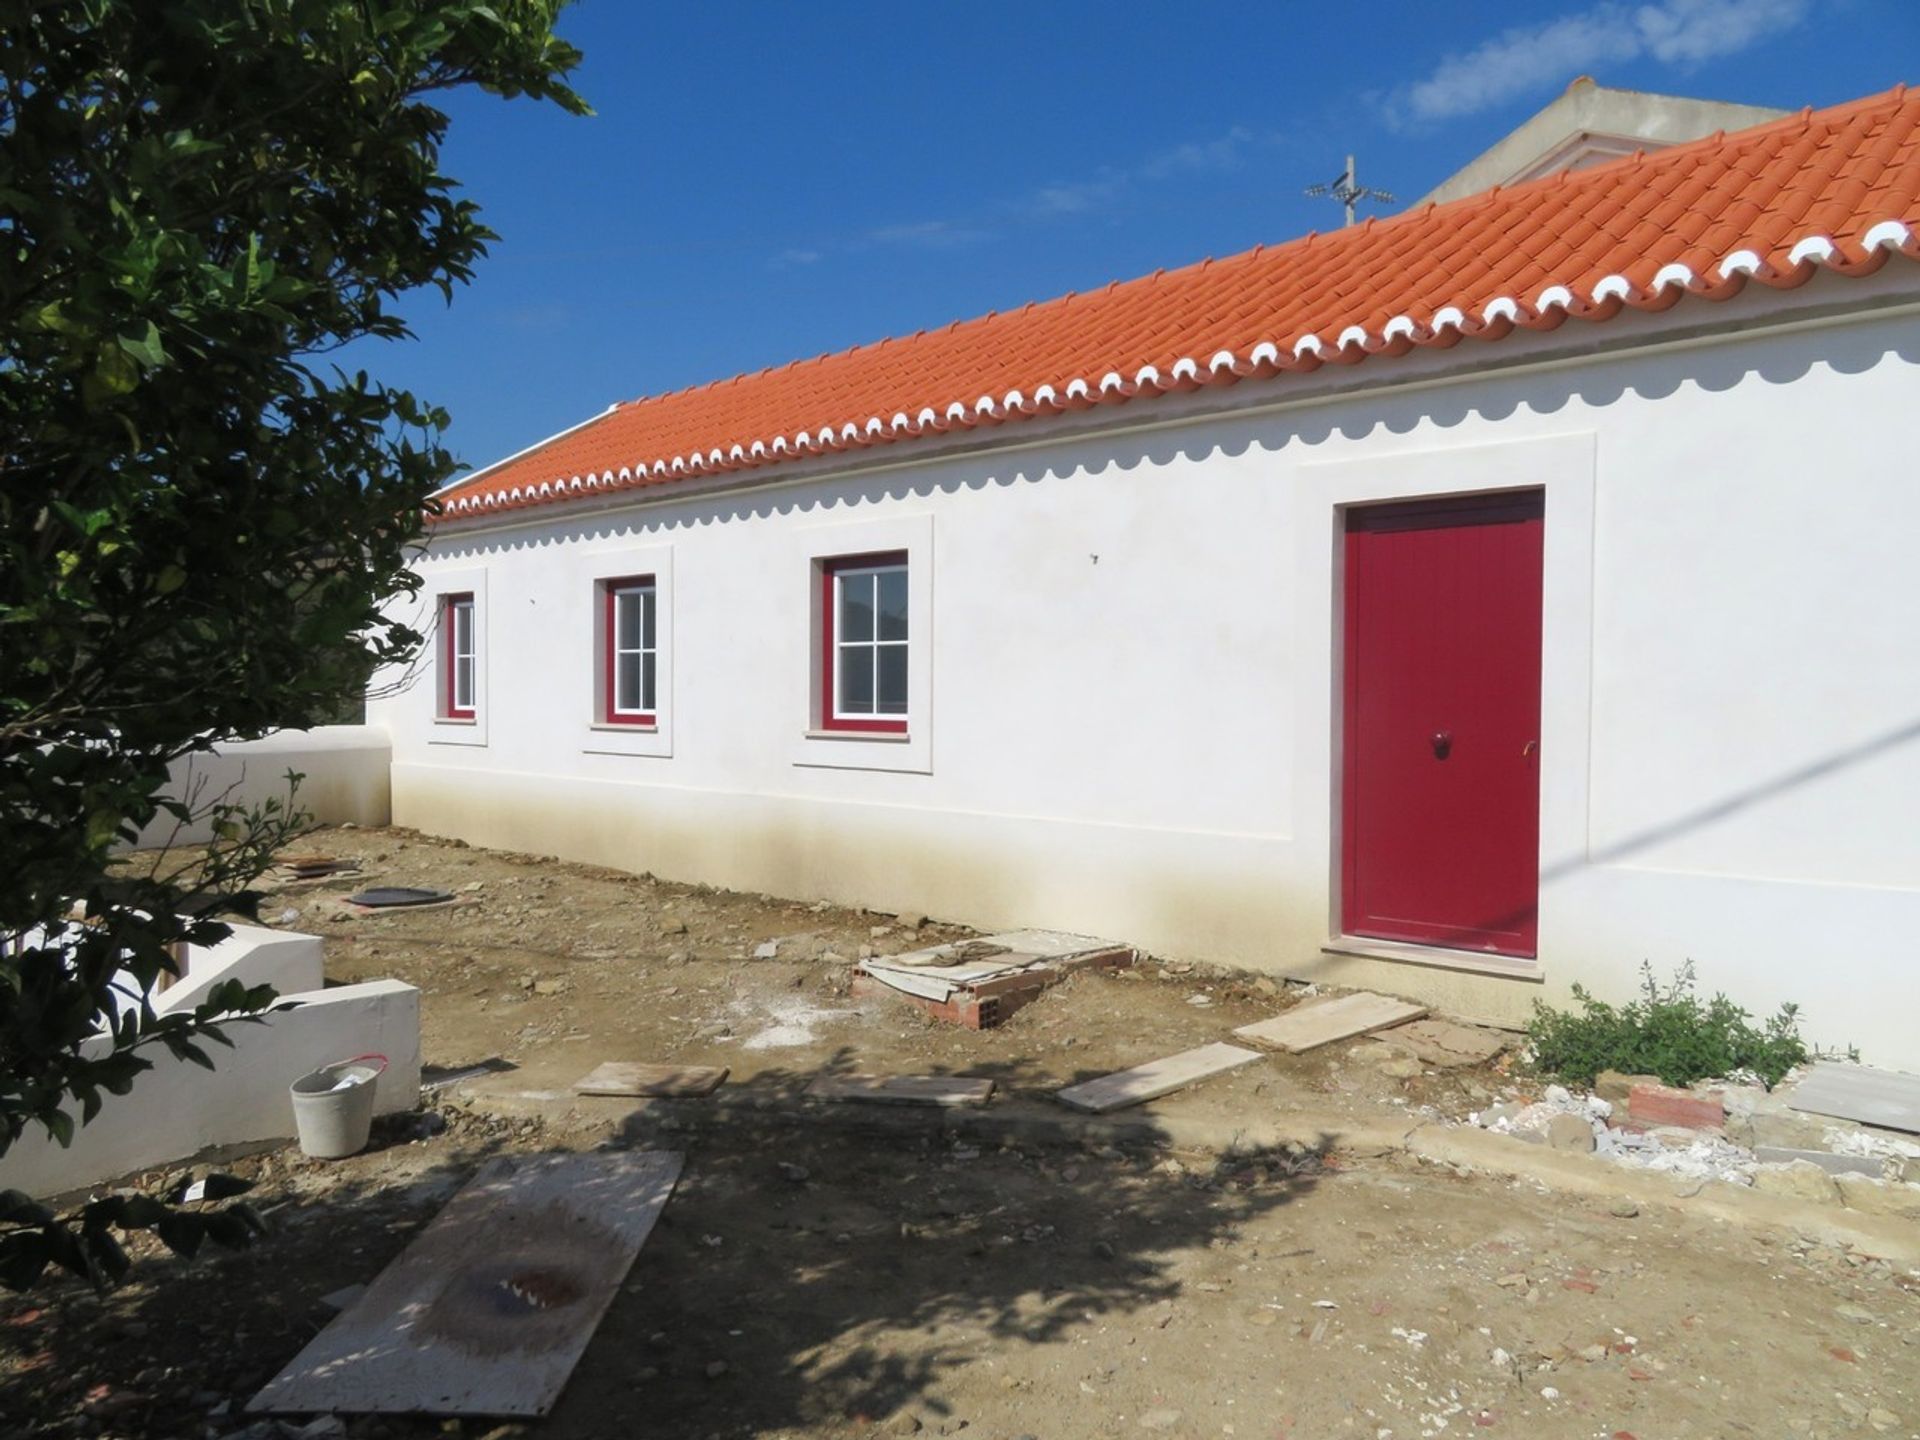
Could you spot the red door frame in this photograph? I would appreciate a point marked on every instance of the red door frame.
(1513, 932)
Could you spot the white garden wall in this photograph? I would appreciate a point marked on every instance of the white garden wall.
(346, 770)
(1127, 648)
(178, 1108)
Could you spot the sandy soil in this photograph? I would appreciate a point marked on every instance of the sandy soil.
(806, 1281)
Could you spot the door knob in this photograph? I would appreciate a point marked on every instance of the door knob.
(1442, 743)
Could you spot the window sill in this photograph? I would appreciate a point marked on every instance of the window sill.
(880, 737)
(607, 727)
(468, 722)
(1510, 967)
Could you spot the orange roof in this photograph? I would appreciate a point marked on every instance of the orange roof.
(1838, 188)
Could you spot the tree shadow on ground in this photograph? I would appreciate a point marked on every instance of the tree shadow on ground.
(841, 1271)
(820, 1267)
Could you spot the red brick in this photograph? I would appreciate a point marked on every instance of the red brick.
(1662, 1105)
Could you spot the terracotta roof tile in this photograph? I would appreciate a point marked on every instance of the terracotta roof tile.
(1838, 188)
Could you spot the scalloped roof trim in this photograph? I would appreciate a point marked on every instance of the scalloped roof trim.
(1738, 264)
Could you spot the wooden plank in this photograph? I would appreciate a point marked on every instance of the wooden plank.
(488, 1310)
(1886, 1098)
(626, 1077)
(903, 1089)
(1155, 1078)
(1337, 1017)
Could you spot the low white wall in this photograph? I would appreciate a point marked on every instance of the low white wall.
(346, 770)
(178, 1108)
(254, 955)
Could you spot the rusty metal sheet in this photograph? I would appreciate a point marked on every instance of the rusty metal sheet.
(491, 1307)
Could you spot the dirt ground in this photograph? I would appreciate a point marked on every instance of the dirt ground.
(813, 1281)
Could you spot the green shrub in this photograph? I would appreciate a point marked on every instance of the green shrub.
(1667, 1032)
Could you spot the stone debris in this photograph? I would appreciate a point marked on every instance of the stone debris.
(1445, 1044)
(1836, 1163)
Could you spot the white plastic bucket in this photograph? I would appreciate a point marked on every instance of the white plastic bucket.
(333, 1106)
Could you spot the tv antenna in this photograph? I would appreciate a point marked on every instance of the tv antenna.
(1348, 190)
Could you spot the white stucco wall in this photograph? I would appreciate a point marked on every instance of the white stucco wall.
(178, 1108)
(345, 770)
(1126, 647)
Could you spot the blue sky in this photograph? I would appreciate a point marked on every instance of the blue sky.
(767, 181)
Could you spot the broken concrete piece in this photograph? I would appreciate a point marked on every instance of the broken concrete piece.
(1801, 1180)
(1886, 1098)
(1445, 1044)
(1879, 1197)
(1570, 1132)
(1828, 1161)
(1652, 1105)
(1778, 1128)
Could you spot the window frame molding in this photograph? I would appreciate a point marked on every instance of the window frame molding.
(832, 570)
(810, 549)
(586, 609)
(451, 710)
(440, 588)
(611, 589)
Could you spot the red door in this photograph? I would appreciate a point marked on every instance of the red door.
(1441, 806)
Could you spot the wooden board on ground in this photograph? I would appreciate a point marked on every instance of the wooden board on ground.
(903, 1089)
(489, 1309)
(1155, 1078)
(1337, 1017)
(626, 1077)
(1859, 1092)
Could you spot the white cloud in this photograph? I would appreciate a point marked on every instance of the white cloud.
(1106, 188)
(925, 235)
(1532, 59)
(1112, 183)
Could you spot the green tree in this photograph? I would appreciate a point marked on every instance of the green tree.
(201, 517)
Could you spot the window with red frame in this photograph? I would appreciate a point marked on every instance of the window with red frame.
(457, 657)
(864, 644)
(631, 654)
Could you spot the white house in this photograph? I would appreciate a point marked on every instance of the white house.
(1466, 604)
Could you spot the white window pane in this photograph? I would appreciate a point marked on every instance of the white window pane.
(856, 605)
(626, 682)
(855, 675)
(893, 680)
(893, 604)
(646, 628)
(646, 682)
(463, 682)
(626, 619)
(462, 627)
